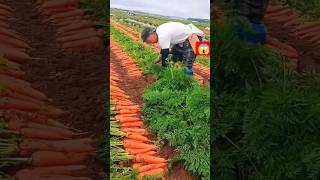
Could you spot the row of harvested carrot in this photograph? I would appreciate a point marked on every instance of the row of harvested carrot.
(136, 141)
(54, 150)
(74, 31)
(293, 22)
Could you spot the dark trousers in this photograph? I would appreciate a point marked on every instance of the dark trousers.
(184, 52)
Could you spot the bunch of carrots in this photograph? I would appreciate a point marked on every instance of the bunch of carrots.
(74, 31)
(53, 150)
(136, 141)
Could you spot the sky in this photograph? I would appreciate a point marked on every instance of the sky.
(179, 8)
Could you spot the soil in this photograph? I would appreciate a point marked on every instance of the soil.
(136, 86)
(74, 81)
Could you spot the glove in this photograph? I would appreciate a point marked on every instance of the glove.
(189, 71)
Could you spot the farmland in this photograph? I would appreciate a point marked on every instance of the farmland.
(52, 85)
(137, 22)
(160, 104)
(266, 98)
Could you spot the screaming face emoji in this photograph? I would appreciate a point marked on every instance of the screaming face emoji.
(203, 49)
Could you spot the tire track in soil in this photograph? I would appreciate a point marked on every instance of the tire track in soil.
(283, 23)
(136, 86)
(75, 81)
(201, 72)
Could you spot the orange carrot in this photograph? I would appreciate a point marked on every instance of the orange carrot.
(62, 20)
(128, 119)
(132, 124)
(11, 72)
(37, 118)
(41, 134)
(153, 172)
(28, 146)
(137, 145)
(9, 64)
(75, 12)
(138, 151)
(6, 78)
(150, 167)
(49, 158)
(76, 26)
(10, 103)
(136, 165)
(14, 42)
(150, 159)
(4, 25)
(151, 153)
(14, 95)
(134, 130)
(72, 170)
(2, 6)
(137, 137)
(52, 11)
(129, 111)
(25, 90)
(93, 42)
(60, 3)
(14, 55)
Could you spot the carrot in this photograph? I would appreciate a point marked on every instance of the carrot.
(6, 78)
(68, 22)
(52, 11)
(72, 13)
(150, 167)
(11, 72)
(60, 177)
(132, 124)
(125, 120)
(72, 170)
(6, 13)
(14, 55)
(137, 145)
(28, 146)
(4, 25)
(60, 3)
(76, 26)
(62, 20)
(136, 165)
(37, 118)
(151, 153)
(125, 116)
(9, 93)
(8, 63)
(129, 111)
(10, 103)
(49, 158)
(92, 42)
(150, 159)
(153, 172)
(2, 6)
(129, 107)
(41, 134)
(138, 151)
(25, 90)
(77, 36)
(16, 43)
(137, 137)
(134, 130)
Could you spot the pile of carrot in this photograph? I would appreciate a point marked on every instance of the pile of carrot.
(136, 141)
(74, 31)
(54, 151)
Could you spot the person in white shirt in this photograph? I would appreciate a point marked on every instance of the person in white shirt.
(174, 36)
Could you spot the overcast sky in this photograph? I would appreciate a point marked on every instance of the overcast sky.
(179, 8)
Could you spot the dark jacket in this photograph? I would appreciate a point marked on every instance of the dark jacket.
(254, 10)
